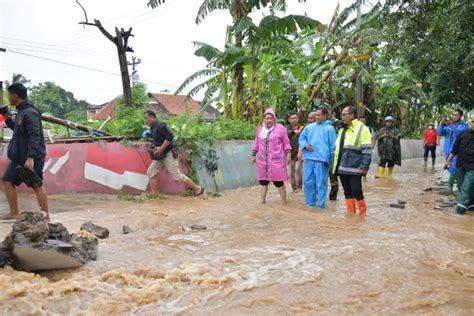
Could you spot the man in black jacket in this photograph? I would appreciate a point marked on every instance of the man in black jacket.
(332, 176)
(26, 149)
(164, 154)
(464, 149)
(294, 129)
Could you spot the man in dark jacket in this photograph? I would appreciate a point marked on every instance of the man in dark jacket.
(164, 154)
(333, 176)
(294, 129)
(26, 149)
(463, 148)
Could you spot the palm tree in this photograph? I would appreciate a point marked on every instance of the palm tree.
(239, 11)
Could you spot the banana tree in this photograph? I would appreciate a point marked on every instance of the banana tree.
(342, 43)
(239, 11)
(266, 50)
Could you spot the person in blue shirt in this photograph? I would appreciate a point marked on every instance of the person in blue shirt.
(317, 142)
(450, 133)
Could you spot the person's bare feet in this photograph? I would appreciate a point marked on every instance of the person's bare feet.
(46, 214)
(199, 191)
(8, 217)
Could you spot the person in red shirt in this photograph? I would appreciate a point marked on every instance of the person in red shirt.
(430, 141)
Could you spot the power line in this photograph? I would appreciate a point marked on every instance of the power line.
(45, 45)
(133, 24)
(43, 51)
(62, 62)
(121, 17)
(87, 68)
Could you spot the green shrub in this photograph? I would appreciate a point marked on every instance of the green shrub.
(193, 134)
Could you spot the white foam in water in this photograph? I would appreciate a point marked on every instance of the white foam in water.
(258, 267)
(193, 238)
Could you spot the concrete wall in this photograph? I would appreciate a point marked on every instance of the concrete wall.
(227, 164)
(109, 167)
(98, 167)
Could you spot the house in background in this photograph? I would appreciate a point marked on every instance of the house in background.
(170, 104)
(93, 109)
(109, 110)
(164, 104)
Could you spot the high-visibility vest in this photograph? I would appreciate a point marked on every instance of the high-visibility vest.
(356, 154)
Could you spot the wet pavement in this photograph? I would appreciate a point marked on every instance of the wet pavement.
(260, 259)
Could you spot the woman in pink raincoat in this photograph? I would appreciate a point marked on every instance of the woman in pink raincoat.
(271, 151)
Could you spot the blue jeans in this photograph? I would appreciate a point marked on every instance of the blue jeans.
(316, 174)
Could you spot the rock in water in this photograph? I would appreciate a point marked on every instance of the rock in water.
(97, 230)
(35, 245)
(198, 227)
(396, 205)
(126, 229)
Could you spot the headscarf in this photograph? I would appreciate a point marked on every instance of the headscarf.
(265, 130)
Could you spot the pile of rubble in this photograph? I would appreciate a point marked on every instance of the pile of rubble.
(36, 245)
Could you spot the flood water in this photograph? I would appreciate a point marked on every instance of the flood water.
(260, 259)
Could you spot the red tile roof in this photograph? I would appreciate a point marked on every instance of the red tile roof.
(174, 104)
(109, 110)
(170, 103)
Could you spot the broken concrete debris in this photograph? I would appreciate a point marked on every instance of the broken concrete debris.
(447, 202)
(186, 228)
(36, 245)
(397, 205)
(198, 227)
(99, 231)
(126, 229)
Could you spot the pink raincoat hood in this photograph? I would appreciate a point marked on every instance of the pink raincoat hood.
(271, 152)
(270, 111)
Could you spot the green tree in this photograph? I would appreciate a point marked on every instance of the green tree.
(129, 120)
(435, 39)
(51, 98)
(18, 78)
(239, 11)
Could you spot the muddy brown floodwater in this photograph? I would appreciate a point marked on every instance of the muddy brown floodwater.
(255, 259)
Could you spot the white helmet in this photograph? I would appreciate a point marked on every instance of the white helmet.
(389, 118)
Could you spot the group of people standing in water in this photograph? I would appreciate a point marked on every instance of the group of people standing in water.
(324, 151)
(326, 148)
(328, 151)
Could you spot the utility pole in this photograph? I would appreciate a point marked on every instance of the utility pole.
(120, 40)
(134, 63)
(1, 93)
(1, 84)
(359, 85)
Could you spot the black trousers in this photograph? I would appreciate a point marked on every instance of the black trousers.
(352, 186)
(388, 163)
(334, 186)
(431, 149)
(278, 184)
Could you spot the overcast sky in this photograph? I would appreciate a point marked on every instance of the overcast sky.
(163, 40)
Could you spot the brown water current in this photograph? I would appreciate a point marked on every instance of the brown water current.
(260, 259)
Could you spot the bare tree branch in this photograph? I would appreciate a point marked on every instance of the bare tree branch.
(104, 31)
(85, 13)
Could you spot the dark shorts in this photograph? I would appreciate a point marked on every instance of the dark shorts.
(278, 184)
(11, 175)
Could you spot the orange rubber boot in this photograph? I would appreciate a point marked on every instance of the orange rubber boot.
(362, 208)
(351, 206)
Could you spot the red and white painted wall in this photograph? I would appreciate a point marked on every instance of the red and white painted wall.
(99, 167)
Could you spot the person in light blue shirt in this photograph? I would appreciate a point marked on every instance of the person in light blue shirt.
(450, 133)
(317, 142)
